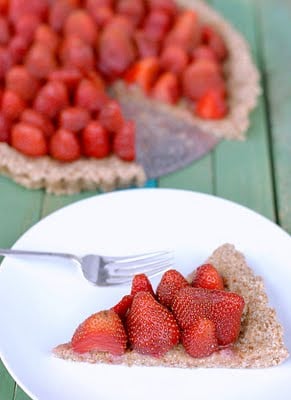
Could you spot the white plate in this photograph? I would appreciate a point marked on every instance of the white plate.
(41, 303)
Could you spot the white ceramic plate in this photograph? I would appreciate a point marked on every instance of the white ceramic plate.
(42, 303)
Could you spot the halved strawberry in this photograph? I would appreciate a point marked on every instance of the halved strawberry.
(143, 73)
(103, 332)
(212, 105)
(151, 327)
(141, 283)
(207, 277)
(172, 281)
(122, 307)
(166, 88)
(199, 339)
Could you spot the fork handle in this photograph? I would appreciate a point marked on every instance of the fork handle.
(29, 253)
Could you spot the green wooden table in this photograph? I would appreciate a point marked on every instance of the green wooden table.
(255, 173)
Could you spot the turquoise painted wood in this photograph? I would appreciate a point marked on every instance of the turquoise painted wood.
(255, 173)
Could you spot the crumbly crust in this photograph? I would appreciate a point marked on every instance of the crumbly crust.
(110, 173)
(67, 178)
(259, 345)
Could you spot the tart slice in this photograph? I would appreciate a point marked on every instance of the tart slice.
(231, 326)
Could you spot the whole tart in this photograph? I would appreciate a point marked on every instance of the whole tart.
(259, 345)
(242, 79)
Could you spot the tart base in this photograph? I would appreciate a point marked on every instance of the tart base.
(259, 345)
(67, 178)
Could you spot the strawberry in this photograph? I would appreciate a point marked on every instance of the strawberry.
(174, 59)
(215, 42)
(69, 76)
(124, 142)
(122, 307)
(110, 116)
(64, 146)
(201, 76)
(12, 105)
(168, 6)
(204, 52)
(18, 8)
(146, 47)
(17, 48)
(26, 26)
(6, 61)
(101, 11)
(172, 281)
(211, 105)
(4, 31)
(141, 283)
(134, 10)
(166, 88)
(157, 25)
(185, 32)
(223, 308)
(95, 140)
(51, 99)
(4, 129)
(152, 329)
(90, 96)
(199, 339)
(81, 24)
(74, 119)
(28, 139)
(20, 81)
(143, 73)
(39, 61)
(59, 11)
(34, 118)
(207, 277)
(227, 308)
(191, 303)
(116, 49)
(102, 331)
(75, 53)
(46, 36)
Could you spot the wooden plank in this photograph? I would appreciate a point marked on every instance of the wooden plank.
(243, 170)
(7, 384)
(198, 176)
(19, 209)
(20, 394)
(276, 56)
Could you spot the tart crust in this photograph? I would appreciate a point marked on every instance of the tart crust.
(260, 343)
(111, 173)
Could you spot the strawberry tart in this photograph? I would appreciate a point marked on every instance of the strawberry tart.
(70, 71)
(218, 317)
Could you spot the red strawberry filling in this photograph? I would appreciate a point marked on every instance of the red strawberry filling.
(203, 319)
(57, 59)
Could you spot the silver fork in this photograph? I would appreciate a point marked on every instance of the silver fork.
(106, 271)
